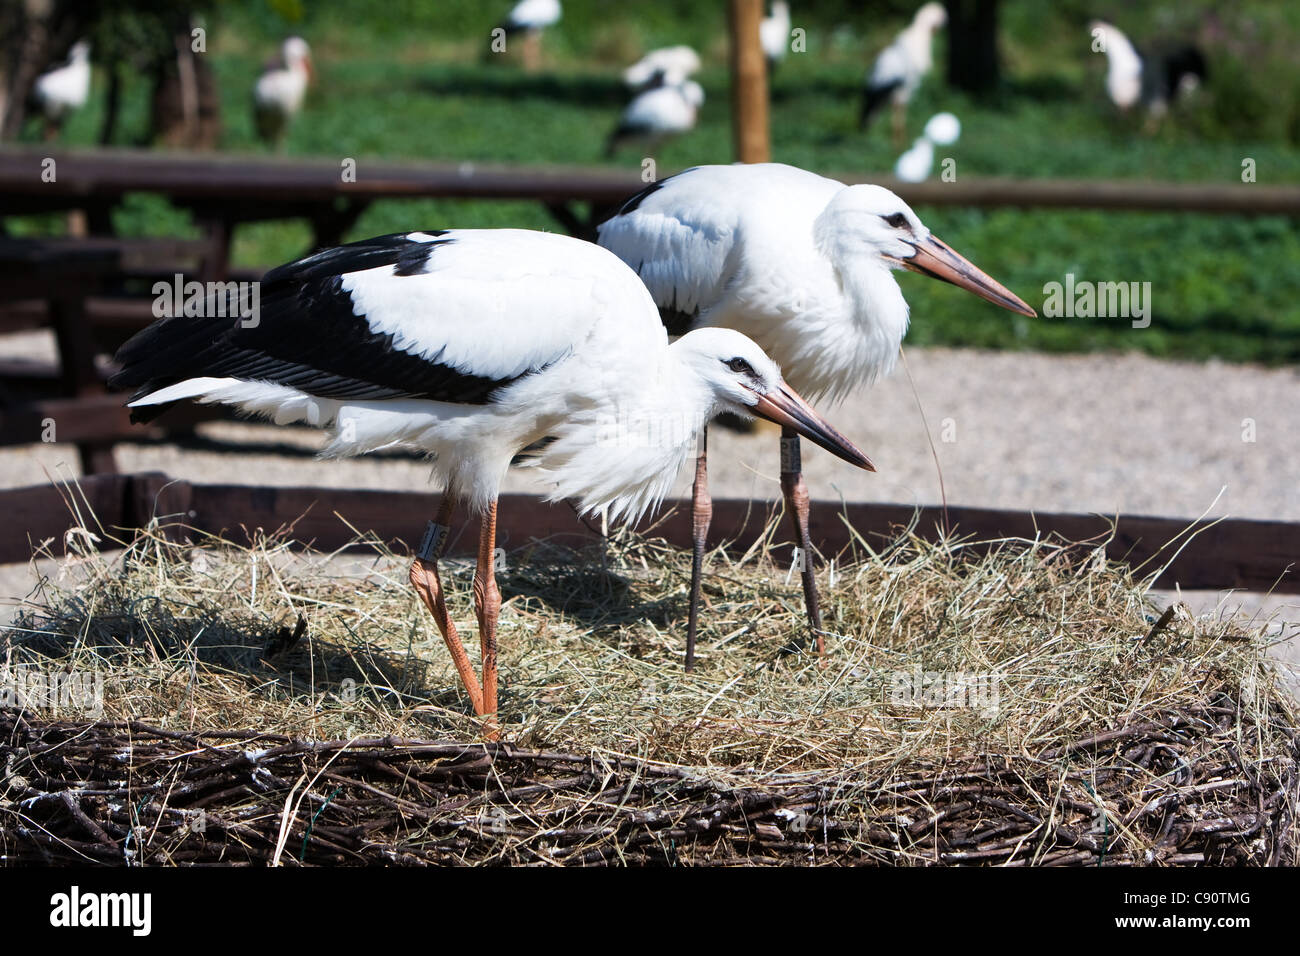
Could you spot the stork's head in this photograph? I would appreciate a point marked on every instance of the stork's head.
(744, 381)
(869, 226)
(932, 16)
(296, 54)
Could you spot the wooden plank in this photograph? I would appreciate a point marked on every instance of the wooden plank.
(113, 173)
(265, 187)
(1233, 553)
(90, 418)
(42, 514)
(1135, 195)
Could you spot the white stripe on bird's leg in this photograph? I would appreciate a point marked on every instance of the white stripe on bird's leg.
(435, 536)
(790, 462)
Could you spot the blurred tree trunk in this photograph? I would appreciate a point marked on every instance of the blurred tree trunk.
(33, 35)
(973, 45)
(112, 103)
(186, 107)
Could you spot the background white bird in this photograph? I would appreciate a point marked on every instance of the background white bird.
(1155, 79)
(667, 66)
(530, 18)
(942, 129)
(472, 346)
(280, 90)
(657, 115)
(774, 33)
(900, 67)
(64, 89)
(914, 165)
(801, 264)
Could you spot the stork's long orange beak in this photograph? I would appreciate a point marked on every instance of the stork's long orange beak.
(937, 259)
(786, 408)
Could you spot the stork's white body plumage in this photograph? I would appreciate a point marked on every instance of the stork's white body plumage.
(1123, 65)
(914, 166)
(533, 15)
(497, 305)
(758, 248)
(667, 66)
(470, 345)
(657, 115)
(66, 88)
(280, 90)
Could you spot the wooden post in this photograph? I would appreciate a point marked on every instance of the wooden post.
(748, 83)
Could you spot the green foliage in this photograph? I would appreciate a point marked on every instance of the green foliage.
(410, 79)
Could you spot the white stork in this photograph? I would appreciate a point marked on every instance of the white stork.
(472, 346)
(667, 66)
(900, 67)
(531, 18)
(942, 129)
(1156, 80)
(64, 89)
(774, 34)
(801, 264)
(657, 115)
(280, 90)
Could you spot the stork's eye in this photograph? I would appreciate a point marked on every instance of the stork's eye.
(897, 220)
(740, 365)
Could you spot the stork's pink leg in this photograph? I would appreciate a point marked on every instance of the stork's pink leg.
(701, 516)
(899, 117)
(796, 502)
(487, 601)
(427, 584)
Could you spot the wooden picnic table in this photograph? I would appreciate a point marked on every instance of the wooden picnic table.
(222, 191)
(63, 273)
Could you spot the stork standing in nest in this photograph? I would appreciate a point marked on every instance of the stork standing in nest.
(803, 265)
(475, 346)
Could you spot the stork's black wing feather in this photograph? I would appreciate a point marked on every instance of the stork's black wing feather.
(306, 335)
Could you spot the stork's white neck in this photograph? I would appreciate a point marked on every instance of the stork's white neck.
(916, 40)
(1123, 66)
(857, 351)
(622, 453)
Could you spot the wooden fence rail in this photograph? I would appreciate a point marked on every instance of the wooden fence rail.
(1231, 553)
(230, 189)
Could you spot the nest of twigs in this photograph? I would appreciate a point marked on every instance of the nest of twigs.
(1011, 703)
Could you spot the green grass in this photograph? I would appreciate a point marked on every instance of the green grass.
(414, 84)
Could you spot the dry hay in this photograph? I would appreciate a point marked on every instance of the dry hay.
(1057, 720)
